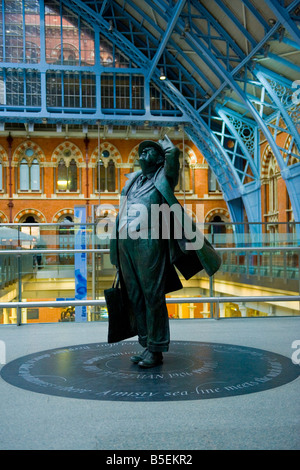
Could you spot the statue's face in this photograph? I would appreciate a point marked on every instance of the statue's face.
(149, 155)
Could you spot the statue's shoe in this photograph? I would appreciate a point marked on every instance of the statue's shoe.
(151, 359)
(139, 357)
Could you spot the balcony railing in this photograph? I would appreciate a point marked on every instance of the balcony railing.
(37, 274)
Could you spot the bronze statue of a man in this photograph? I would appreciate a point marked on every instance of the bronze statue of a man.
(147, 246)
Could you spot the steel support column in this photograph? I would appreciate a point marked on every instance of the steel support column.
(285, 19)
(170, 26)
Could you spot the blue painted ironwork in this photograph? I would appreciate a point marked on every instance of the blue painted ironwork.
(243, 97)
(200, 134)
(287, 112)
(239, 172)
(285, 19)
(207, 123)
(281, 91)
(285, 62)
(245, 133)
(174, 17)
(233, 177)
(236, 22)
(218, 27)
(255, 200)
(256, 14)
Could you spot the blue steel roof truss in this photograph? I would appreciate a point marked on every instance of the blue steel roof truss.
(228, 105)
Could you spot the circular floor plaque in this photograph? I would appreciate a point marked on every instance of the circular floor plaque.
(190, 371)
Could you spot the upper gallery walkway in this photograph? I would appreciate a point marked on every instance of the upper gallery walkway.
(44, 266)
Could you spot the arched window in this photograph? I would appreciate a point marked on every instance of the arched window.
(62, 176)
(218, 225)
(72, 176)
(66, 239)
(111, 176)
(24, 175)
(29, 172)
(184, 175)
(35, 175)
(67, 176)
(136, 165)
(106, 174)
(68, 57)
(1, 176)
(33, 230)
(100, 176)
(213, 184)
(273, 200)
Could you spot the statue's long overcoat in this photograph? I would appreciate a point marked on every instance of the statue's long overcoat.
(188, 262)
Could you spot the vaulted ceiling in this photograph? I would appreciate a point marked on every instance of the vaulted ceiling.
(231, 68)
(232, 71)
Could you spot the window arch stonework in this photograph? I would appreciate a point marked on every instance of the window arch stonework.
(63, 213)
(3, 156)
(186, 177)
(272, 182)
(133, 156)
(265, 163)
(67, 159)
(114, 155)
(190, 155)
(67, 178)
(30, 150)
(292, 156)
(27, 212)
(106, 162)
(218, 211)
(29, 158)
(269, 175)
(217, 216)
(67, 151)
(3, 218)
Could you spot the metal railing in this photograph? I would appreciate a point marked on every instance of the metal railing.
(213, 300)
(246, 257)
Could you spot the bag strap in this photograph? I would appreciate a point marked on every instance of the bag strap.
(116, 281)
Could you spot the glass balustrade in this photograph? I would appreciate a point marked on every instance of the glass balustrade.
(58, 273)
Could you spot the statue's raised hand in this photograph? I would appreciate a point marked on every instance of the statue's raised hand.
(166, 144)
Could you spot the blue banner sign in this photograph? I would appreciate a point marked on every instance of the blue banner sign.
(80, 262)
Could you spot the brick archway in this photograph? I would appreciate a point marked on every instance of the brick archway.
(134, 153)
(217, 211)
(3, 155)
(3, 218)
(114, 154)
(27, 212)
(189, 154)
(61, 213)
(265, 162)
(28, 145)
(67, 151)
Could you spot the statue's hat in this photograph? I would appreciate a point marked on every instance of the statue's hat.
(151, 143)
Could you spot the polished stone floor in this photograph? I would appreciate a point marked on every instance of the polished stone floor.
(225, 384)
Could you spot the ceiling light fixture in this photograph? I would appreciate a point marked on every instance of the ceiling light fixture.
(187, 27)
(162, 74)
